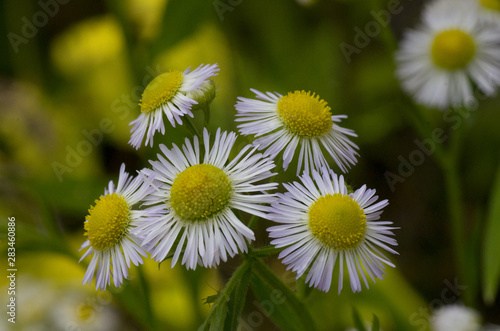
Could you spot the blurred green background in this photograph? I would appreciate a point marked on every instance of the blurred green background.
(79, 73)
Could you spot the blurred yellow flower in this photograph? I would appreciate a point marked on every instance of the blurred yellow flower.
(87, 45)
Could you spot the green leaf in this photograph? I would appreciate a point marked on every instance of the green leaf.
(266, 251)
(237, 302)
(491, 247)
(358, 321)
(277, 301)
(217, 317)
(376, 323)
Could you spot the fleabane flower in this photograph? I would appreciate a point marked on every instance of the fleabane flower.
(320, 223)
(438, 61)
(109, 231)
(455, 317)
(79, 311)
(198, 193)
(298, 119)
(169, 94)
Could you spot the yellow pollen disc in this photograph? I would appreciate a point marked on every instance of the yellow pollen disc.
(491, 4)
(107, 221)
(200, 192)
(453, 49)
(337, 221)
(161, 90)
(304, 114)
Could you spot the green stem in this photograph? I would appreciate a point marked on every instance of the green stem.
(253, 222)
(192, 128)
(455, 209)
(147, 298)
(206, 112)
(448, 161)
(266, 251)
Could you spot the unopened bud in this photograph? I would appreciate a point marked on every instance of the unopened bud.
(204, 95)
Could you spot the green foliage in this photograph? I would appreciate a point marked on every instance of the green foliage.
(358, 321)
(491, 246)
(376, 323)
(269, 45)
(283, 307)
(237, 301)
(229, 303)
(359, 324)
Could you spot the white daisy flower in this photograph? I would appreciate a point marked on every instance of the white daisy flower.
(109, 226)
(297, 119)
(322, 223)
(438, 61)
(198, 197)
(456, 318)
(170, 94)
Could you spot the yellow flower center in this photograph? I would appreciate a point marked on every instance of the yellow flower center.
(85, 312)
(200, 192)
(491, 4)
(304, 114)
(453, 49)
(337, 221)
(161, 90)
(107, 221)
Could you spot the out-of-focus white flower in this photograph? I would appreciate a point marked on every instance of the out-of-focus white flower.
(438, 61)
(456, 318)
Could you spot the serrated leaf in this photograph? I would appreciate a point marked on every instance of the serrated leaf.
(277, 301)
(358, 321)
(491, 247)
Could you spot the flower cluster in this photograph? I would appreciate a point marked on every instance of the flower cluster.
(188, 205)
(456, 48)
